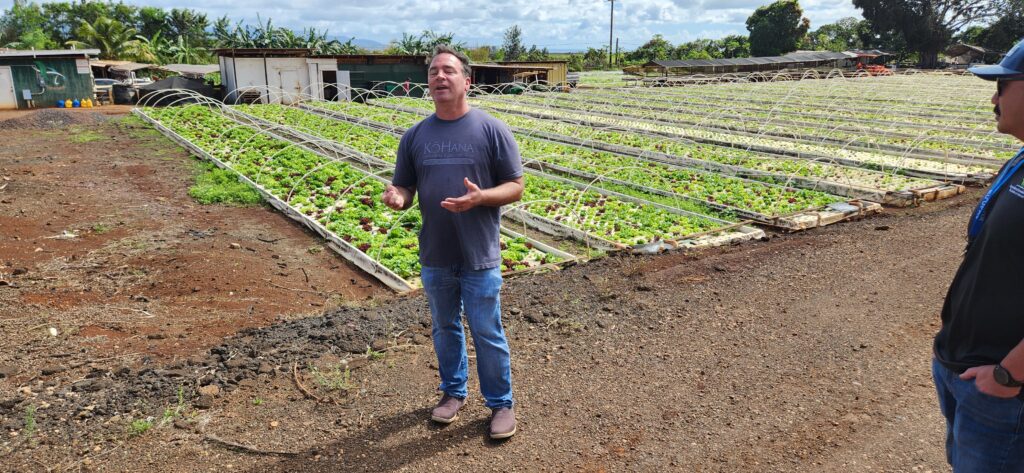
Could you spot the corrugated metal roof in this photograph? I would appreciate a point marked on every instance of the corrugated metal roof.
(131, 66)
(531, 62)
(107, 62)
(961, 49)
(261, 52)
(798, 57)
(810, 56)
(507, 66)
(49, 52)
(868, 52)
(194, 69)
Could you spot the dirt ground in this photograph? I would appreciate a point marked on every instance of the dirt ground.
(212, 338)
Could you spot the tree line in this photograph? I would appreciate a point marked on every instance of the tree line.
(148, 34)
(914, 30)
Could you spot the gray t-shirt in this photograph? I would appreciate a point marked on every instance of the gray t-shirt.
(436, 155)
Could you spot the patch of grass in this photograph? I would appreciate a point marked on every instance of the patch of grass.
(220, 186)
(256, 401)
(566, 325)
(138, 427)
(30, 422)
(315, 250)
(131, 121)
(173, 412)
(86, 136)
(137, 128)
(334, 380)
(373, 355)
(101, 228)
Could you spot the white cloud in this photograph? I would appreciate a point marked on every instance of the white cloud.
(557, 24)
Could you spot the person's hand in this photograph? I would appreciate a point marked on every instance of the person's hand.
(472, 198)
(393, 198)
(986, 382)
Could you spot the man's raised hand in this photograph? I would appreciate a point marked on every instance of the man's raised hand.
(471, 199)
(393, 198)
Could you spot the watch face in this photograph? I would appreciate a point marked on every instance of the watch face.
(1001, 375)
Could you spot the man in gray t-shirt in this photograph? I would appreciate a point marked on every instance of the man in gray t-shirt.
(465, 165)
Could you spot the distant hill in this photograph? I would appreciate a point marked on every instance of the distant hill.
(365, 43)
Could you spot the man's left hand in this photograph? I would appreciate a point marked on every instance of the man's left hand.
(986, 382)
(471, 199)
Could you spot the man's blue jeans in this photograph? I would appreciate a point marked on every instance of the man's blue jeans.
(450, 290)
(984, 434)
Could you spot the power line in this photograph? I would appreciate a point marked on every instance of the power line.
(611, 30)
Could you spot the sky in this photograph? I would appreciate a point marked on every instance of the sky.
(555, 24)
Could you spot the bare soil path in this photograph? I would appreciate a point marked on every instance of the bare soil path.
(808, 352)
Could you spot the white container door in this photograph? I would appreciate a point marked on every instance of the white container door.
(291, 87)
(7, 98)
(344, 86)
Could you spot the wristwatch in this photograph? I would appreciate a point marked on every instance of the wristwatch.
(1004, 378)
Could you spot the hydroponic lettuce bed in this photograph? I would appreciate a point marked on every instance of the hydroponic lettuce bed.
(668, 183)
(338, 200)
(885, 187)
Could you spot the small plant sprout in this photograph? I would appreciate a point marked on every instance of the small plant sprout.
(30, 421)
(334, 380)
(374, 355)
(139, 426)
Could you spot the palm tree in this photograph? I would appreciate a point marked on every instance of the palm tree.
(152, 50)
(409, 44)
(188, 23)
(111, 37)
(424, 43)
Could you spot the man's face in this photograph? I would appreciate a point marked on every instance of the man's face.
(445, 79)
(1009, 107)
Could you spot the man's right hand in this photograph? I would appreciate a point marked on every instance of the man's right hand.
(393, 198)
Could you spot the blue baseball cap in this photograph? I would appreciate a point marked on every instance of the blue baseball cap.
(1011, 65)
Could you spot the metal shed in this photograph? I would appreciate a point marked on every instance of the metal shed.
(557, 70)
(385, 73)
(290, 74)
(964, 54)
(495, 74)
(39, 78)
(792, 61)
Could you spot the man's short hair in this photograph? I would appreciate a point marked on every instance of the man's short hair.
(446, 49)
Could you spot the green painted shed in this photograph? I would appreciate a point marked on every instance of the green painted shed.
(385, 72)
(39, 78)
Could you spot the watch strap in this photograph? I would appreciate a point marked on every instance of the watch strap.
(1011, 382)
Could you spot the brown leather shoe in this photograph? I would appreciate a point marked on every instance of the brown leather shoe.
(503, 423)
(447, 409)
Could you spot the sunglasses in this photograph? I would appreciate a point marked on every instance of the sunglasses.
(1000, 82)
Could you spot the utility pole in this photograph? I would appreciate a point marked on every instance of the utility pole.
(611, 29)
(616, 50)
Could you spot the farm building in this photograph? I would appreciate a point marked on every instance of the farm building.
(964, 54)
(387, 73)
(796, 61)
(548, 72)
(289, 74)
(125, 71)
(557, 70)
(867, 57)
(496, 74)
(40, 78)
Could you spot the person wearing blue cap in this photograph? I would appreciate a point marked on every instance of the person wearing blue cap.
(979, 351)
